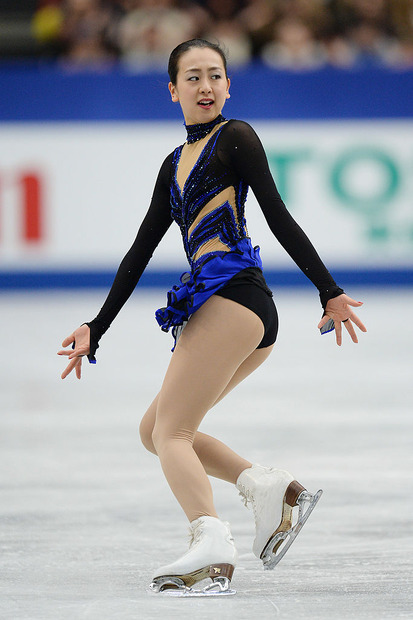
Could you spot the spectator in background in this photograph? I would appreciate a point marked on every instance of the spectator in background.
(147, 32)
(225, 26)
(366, 30)
(258, 18)
(84, 33)
(401, 15)
(339, 51)
(294, 47)
(313, 13)
(405, 56)
(298, 33)
(46, 26)
(371, 45)
(289, 34)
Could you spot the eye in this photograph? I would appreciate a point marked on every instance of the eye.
(193, 78)
(216, 76)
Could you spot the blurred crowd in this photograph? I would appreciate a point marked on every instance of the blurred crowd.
(284, 34)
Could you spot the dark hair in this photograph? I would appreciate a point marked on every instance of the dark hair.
(185, 47)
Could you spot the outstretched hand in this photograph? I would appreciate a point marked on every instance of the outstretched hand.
(339, 309)
(80, 339)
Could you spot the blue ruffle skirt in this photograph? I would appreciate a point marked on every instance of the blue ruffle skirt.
(210, 273)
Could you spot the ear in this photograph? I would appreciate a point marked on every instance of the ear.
(229, 84)
(174, 93)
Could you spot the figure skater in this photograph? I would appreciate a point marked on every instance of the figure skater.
(222, 317)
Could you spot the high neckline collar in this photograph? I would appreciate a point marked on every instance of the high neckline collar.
(199, 131)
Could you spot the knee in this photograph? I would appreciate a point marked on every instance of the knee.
(164, 435)
(157, 436)
(145, 433)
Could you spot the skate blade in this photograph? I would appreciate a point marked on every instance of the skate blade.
(279, 544)
(176, 587)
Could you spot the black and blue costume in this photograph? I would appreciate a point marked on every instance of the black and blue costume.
(203, 186)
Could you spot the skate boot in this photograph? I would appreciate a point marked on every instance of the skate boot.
(211, 554)
(273, 494)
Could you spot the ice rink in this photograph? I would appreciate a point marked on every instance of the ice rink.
(86, 514)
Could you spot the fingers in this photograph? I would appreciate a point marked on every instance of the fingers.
(357, 322)
(323, 321)
(352, 302)
(73, 364)
(340, 310)
(76, 352)
(80, 341)
(349, 327)
(338, 330)
(68, 340)
(348, 324)
(79, 368)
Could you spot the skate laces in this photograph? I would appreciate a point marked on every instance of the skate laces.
(195, 533)
(246, 496)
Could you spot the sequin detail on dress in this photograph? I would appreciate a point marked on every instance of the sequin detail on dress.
(199, 131)
(190, 204)
(208, 206)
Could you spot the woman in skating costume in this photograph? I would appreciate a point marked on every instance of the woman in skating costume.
(222, 317)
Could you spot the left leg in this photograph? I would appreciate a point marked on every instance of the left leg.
(206, 357)
(217, 458)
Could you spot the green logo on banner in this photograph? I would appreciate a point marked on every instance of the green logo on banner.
(374, 196)
(283, 165)
(365, 179)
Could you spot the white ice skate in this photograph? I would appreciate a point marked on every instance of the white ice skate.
(211, 554)
(273, 494)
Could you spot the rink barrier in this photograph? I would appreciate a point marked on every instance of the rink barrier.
(49, 93)
(54, 280)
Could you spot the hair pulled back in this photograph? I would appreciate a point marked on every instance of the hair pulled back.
(185, 47)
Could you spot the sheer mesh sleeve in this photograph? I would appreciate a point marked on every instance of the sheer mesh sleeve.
(240, 149)
(153, 228)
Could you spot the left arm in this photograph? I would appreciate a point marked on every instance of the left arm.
(240, 148)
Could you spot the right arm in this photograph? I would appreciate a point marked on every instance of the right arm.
(85, 340)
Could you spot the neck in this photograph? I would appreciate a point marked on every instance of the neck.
(199, 131)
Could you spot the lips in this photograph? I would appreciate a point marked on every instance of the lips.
(205, 103)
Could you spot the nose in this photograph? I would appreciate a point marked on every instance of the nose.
(205, 86)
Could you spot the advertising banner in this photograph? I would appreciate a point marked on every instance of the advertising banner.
(72, 195)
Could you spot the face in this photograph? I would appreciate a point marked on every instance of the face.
(201, 85)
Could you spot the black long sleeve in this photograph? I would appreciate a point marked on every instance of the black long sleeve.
(240, 149)
(154, 226)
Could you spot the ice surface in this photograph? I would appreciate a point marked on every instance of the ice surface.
(86, 514)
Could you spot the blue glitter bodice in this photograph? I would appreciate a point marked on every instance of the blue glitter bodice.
(207, 199)
(203, 185)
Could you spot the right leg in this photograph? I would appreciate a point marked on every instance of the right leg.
(217, 459)
(206, 357)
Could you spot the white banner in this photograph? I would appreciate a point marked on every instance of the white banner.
(72, 195)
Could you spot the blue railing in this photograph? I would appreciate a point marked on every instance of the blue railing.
(47, 93)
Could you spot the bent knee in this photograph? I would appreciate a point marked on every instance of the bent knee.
(145, 433)
(163, 435)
